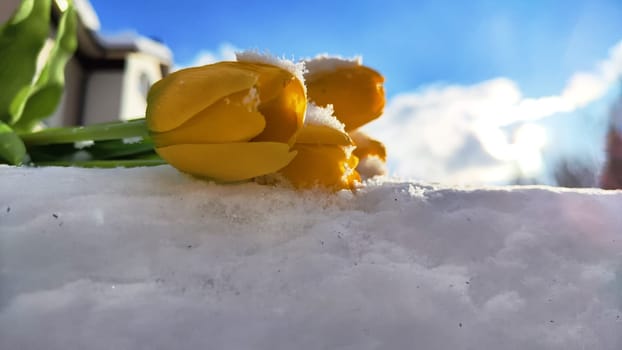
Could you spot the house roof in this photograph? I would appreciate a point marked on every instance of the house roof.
(97, 48)
(87, 14)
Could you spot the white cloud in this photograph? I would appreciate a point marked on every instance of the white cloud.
(460, 134)
(225, 52)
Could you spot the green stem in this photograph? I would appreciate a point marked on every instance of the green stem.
(97, 132)
(105, 163)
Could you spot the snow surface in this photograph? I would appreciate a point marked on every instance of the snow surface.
(326, 63)
(316, 115)
(252, 56)
(153, 259)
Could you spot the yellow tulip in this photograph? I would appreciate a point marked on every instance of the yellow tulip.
(228, 121)
(355, 91)
(357, 96)
(324, 158)
(366, 146)
(371, 153)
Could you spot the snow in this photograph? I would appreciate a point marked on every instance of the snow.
(251, 56)
(317, 115)
(150, 258)
(326, 63)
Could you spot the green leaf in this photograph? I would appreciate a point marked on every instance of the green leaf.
(100, 150)
(48, 89)
(41, 103)
(118, 149)
(131, 163)
(12, 149)
(21, 13)
(21, 40)
(56, 152)
(112, 141)
(96, 132)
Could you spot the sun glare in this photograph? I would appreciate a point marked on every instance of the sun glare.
(62, 5)
(529, 140)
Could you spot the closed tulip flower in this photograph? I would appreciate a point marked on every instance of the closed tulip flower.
(324, 154)
(371, 153)
(228, 121)
(357, 96)
(355, 91)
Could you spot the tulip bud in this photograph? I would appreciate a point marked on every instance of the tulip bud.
(371, 153)
(228, 121)
(357, 95)
(324, 153)
(354, 90)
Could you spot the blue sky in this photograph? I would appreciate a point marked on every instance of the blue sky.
(513, 54)
(539, 44)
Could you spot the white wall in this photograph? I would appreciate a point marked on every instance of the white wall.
(141, 71)
(103, 96)
(113, 94)
(68, 110)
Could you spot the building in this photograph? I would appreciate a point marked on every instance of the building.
(109, 77)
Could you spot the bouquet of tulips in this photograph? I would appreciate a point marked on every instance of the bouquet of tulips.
(257, 118)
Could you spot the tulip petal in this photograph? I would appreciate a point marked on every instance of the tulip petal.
(184, 93)
(228, 161)
(356, 93)
(322, 135)
(367, 146)
(328, 166)
(283, 102)
(231, 119)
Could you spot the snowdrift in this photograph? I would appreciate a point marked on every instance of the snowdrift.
(153, 259)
